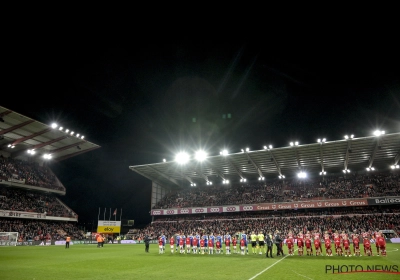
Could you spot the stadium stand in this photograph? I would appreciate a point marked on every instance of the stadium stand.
(30, 193)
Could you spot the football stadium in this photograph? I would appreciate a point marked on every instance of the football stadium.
(323, 210)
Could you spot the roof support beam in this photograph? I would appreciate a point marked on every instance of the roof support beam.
(172, 180)
(219, 173)
(234, 167)
(4, 131)
(276, 163)
(148, 177)
(348, 151)
(30, 136)
(5, 113)
(297, 159)
(321, 151)
(255, 165)
(397, 158)
(378, 145)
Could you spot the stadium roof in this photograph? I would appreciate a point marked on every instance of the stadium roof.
(19, 133)
(352, 154)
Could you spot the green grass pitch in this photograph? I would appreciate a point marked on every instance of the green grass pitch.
(120, 261)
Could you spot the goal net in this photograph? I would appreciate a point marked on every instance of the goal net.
(8, 238)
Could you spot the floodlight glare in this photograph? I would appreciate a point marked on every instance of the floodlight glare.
(61, 128)
(77, 135)
(9, 145)
(291, 143)
(379, 132)
(324, 140)
(82, 137)
(346, 137)
(164, 160)
(265, 147)
(200, 155)
(270, 146)
(182, 158)
(242, 150)
(319, 140)
(54, 125)
(352, 136)
(247, 149)
(224, 152)
(302, 175)
(72, 133)
(67, 130)
(296, 143)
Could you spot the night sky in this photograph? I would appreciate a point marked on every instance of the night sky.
(144, 102)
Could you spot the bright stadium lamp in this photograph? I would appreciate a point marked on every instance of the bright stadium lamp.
(379, 132)
(247, 149)
(182, 158)
(224, 152)
(67, 130)
(302, 175)
(60, 128)
(296, 143)
(164, 160)
(54, 125)
(82, 137)
(291, 143)
(200, 155)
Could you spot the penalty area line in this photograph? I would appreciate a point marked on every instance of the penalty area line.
(258, 274)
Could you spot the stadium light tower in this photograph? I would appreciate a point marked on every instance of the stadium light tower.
(200, 155)
(182, 158)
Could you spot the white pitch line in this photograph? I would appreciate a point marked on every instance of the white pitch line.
(395, 249)
(302, 275)
(258, 274)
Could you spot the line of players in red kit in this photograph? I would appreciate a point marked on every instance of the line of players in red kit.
(341, 243)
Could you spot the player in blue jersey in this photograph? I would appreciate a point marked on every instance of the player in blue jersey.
(191, 241)
(212, 237)
(164, 239)
(183, 236)
(205, 237)
(198, 241)
(244, 237)
(178, 237)
(227, 240)
(219, 238)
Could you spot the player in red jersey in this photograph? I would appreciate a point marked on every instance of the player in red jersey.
(381, 242)
(171, 244)
(356, 245)
(218, 247)
(234, 243)
(346, 247)
(181, 249)
(308, 246)
(327, 242)
(160, 245)
(375, 236)
(188, 245)
(308, 235)
(202, 245)
(317, 245)
(289, 243)
(367, 246)
(194, 243)
(210, 247)
(300, 243)
(338, 244)
(242, 246)
(227, 246)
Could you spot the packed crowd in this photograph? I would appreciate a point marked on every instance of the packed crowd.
(31, 172)
(22, 200)
(351, 186)
(265, 222)
(38, 230)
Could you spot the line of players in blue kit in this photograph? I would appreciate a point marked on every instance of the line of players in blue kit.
(208, 244)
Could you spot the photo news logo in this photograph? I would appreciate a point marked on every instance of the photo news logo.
(357, 268)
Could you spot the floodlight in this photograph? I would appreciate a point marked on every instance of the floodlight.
(319, 140)
(352, 136)
(200, 155)
(72, 133)
(291, 143)
(54, 125)
(47, 156)
(247, 149)
(60, 128)
(302, 175)
(12, 146)
(164, 160)
(324, 140)
(224, 152)
(265, 147)
(379, 132)
(270, 146)
(296, 143)
(82, 137)
(368, 169)
(67, 130)
(346, 137)
(182, 158)
(322, 173)
(242, 150)
(9, 145)
(243, 180)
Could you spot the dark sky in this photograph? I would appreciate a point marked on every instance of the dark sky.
(138, 102)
